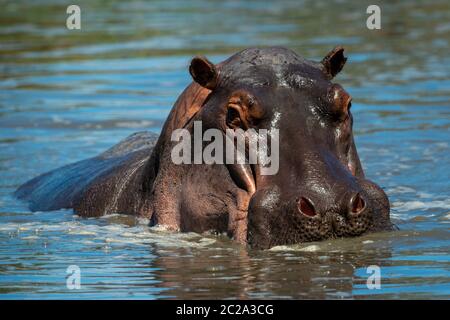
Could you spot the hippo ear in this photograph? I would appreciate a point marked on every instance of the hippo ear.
(204, 72)
(334, 62)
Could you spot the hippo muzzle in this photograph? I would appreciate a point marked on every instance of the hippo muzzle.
(274, 220)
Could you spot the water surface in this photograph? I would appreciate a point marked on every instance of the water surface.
(68, 95)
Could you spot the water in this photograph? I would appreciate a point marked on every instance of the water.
(68, 95)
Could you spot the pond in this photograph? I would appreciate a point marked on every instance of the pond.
(66, 95)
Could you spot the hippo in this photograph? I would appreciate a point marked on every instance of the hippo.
(319, 191)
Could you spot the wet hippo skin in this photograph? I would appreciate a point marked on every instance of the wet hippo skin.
(319, 192)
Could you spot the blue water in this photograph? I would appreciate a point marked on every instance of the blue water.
(68, 95)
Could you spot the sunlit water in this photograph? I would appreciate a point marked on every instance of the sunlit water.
(68, 95)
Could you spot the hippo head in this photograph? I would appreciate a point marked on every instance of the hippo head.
(319, 191)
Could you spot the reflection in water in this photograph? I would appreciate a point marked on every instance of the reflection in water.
(68, 95)
(261, 275)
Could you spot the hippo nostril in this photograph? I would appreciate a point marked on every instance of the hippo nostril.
(306, 207)
(357, 203)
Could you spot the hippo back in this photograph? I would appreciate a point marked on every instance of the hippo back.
(65, 186)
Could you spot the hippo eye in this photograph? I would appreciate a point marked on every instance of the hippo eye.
(243, 110)
(344, 114)
(233, 117)
(251, 102)
(341, 102)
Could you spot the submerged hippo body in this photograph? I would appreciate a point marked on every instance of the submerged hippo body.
(319, 191)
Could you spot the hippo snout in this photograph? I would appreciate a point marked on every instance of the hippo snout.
(354, 206)
(275, 220)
